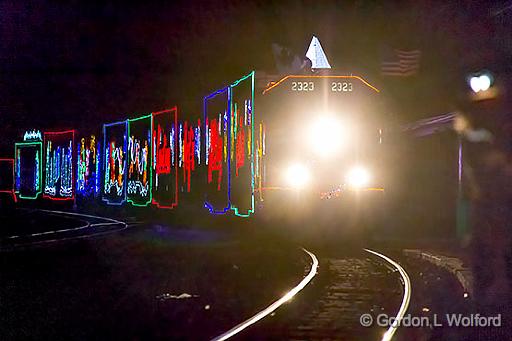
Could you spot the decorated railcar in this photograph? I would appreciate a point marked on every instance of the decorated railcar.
(294, 143)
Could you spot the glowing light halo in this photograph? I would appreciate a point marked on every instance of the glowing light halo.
(327, 135)
(480, 83)
(297, 175)
(358, 177)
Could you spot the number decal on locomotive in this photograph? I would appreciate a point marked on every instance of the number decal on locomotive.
(341, 87)
(303, 86)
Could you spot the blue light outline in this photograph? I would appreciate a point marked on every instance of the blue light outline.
(106, 200)
(205, 109)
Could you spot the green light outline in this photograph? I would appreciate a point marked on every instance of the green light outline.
(150, 158)
(233, 207)
(27, 144)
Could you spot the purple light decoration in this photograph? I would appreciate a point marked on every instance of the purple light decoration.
(460, 162)
(207, 204)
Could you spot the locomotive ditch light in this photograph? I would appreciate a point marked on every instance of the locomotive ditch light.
(358, 177)
(297, 176)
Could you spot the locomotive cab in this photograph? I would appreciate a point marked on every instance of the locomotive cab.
(323, 157)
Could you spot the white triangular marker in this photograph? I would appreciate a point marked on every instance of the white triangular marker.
(316, 55)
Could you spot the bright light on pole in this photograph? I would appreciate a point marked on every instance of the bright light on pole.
(481, 82)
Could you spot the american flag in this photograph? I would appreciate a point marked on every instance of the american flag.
(400, 63)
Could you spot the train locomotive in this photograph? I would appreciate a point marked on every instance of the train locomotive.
(324, 150)
(291, 147)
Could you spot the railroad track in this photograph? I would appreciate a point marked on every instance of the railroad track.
(349, 286)
(89, 226)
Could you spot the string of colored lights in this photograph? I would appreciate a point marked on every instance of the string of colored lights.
(36, 172)
(114, 166)
(215, 152)
(33, 135)
(140, 171)
(230, 142)
(161, 152)
(259, 164)
(9, 187)
(188, 154)
(197, 141)
(142, 165)
(59, 166)
(173, 144)
(87, 167)
(180, 146)
(17, 171)
(239, 135)
(115, 179)
(164, 162)
(217, 145)
(97, 170)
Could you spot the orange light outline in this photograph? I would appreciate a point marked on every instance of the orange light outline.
(365, 189)
(319, 76)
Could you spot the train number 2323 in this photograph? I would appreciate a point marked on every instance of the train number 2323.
(303, 86)
(341, 87)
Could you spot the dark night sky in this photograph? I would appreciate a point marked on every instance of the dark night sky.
(79, 64)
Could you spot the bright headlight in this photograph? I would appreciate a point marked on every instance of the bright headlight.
(480, 83)
(327, 135)
(297, 175)
(358, 177)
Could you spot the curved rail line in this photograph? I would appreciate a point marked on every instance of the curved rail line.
(109, 221)
(271, 308)
(388, 335)
(86, 225)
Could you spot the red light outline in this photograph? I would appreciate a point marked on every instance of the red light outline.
(72, 131)
(13, 180)
(154, 201)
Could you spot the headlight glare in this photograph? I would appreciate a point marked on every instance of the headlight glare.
(358, 177)
(297, 175)
(327, 136)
